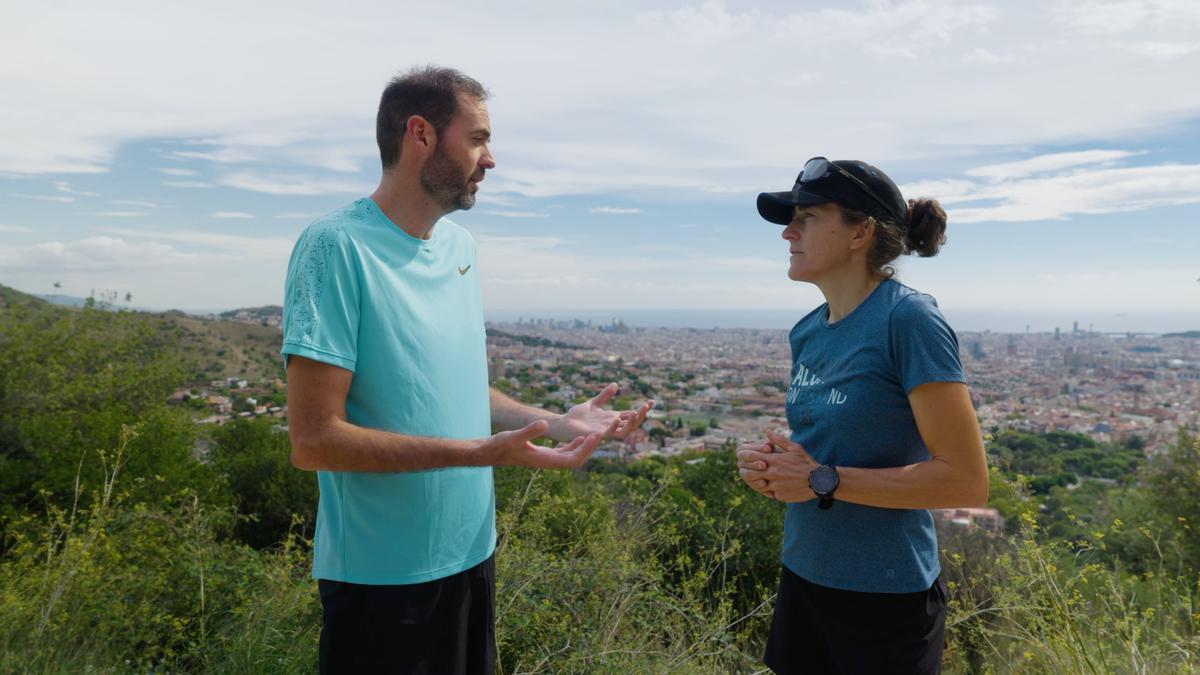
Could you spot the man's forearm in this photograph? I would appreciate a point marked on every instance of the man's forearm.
(342, 446)
(508, 414)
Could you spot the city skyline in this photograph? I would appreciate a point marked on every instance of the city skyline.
(630, 141)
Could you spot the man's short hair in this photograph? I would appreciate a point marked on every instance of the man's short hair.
(428, 91)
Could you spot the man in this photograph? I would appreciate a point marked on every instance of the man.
(389, 401)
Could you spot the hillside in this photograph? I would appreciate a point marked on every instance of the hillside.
(11, 298)
(223, 349)
(215, 348)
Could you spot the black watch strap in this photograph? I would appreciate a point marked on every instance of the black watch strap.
(825, 501)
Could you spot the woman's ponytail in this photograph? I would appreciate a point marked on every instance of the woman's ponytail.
(926, 231)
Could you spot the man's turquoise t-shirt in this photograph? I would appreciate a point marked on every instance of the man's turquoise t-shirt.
(848, 406)
(404, 315)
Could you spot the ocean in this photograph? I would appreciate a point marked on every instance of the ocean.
(1036, 321)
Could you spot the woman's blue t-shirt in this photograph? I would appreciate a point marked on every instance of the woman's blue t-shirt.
(848, 406)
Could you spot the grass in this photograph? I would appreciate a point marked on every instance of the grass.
(597, 573)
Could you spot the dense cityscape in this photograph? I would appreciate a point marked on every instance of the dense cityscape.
(1109, 387)
(715, 385)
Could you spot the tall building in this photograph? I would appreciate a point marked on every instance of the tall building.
(977, 350)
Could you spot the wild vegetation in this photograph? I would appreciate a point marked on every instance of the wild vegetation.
(133, 539)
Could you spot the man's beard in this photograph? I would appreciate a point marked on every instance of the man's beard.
(445, 182)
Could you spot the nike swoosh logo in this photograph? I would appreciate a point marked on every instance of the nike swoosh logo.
(463, 270)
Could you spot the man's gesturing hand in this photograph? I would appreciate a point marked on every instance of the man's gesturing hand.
(591, 417)
(513, 448)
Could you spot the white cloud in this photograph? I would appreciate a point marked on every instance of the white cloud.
(242, 215)
(294, 142)
(946, 191)
(222, 156)
(1163, 50)
(291, 184)
(183, 269)
(15, 228)
(91, 253)
(1052, 187)
(120, 214)
(1107, 18)
(509, 242)
(65, 186)
(731, 189)
(659, 99)
(240, 247)
(1045, 163)
(516, 214)
(613, 210)
(46, 198)
(134, 202)
(704, 24)
(1027, 288)
(987, 57)
(655, 113)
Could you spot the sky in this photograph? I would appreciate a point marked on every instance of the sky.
(175, 151)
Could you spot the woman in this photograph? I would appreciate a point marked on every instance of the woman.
(882, 428)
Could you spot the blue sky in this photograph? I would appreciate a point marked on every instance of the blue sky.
(176, 152)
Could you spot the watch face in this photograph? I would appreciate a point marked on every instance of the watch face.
(823, 480)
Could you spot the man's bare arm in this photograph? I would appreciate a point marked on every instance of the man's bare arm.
(582, 419)
(508, 413)
(323, 440)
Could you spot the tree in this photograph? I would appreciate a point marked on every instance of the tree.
(1175, 486)
(70, 381)
(254, 456)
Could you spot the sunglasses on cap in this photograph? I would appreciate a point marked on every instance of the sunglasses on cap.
(818, 168)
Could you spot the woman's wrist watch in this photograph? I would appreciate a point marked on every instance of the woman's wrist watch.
(823, 481)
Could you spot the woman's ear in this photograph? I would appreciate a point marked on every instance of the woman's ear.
(864, 233)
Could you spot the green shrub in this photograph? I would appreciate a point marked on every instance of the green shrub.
(125, 585)
(1028, 603)
(271, 495)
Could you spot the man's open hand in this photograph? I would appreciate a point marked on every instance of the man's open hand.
(591, 417)
(515, 448)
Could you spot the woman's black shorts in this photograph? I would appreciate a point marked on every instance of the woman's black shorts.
(817, 629)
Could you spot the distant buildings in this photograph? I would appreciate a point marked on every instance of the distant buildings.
(1107, 387)
(970, 519)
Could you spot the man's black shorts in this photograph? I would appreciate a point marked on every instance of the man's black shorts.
(446, 625)
(817, 629)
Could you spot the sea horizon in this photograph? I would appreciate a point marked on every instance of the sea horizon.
(967, 320)
(962, 320)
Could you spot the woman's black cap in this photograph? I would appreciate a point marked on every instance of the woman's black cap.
(876, 196)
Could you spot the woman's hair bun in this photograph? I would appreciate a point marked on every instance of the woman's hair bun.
(926, 231)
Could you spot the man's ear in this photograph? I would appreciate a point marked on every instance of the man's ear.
(420, 133)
